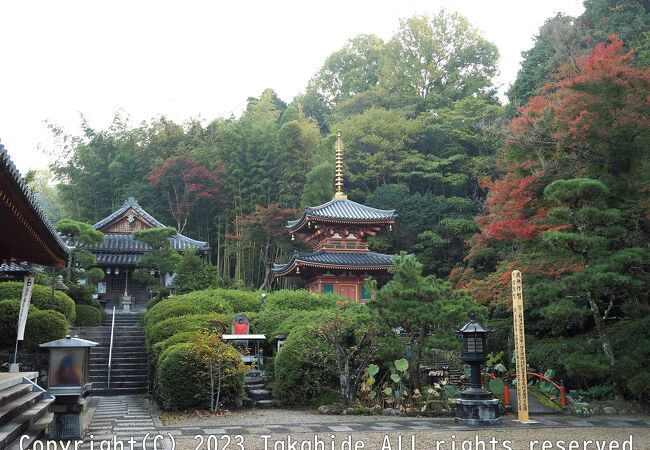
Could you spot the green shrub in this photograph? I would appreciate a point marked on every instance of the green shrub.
(199, 302)
(88, 316)
(162, 294)
(165, 329)
(41, 298)
(81, 293)
(43, 326)
(300, 300)
(183, 380)
(9, 312)
(178, 338)
(305, 368)
(243, 301)
(301, 375)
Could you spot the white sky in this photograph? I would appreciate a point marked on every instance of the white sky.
(198, 59)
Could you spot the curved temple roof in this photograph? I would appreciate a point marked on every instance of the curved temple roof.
(343, 210)
(122, 249)
(335, 260)
(28, 231)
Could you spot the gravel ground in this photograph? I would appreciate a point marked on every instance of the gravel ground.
(520, 439)
(251, 417)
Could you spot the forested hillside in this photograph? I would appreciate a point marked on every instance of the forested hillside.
(554, 182)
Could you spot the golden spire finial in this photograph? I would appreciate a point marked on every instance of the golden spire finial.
(338, 181)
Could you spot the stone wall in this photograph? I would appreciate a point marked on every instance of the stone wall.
(29, 362)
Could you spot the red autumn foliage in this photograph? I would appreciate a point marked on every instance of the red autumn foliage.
(599, 103)
(511, 210)
(184, 184)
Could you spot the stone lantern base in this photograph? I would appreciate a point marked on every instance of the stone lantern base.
(477, 408)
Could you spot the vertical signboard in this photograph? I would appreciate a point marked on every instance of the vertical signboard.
(520, 346)
(24, 307)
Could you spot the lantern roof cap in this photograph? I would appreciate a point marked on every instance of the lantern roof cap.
(69, 342)
(473, 327)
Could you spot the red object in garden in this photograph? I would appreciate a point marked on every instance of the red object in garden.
(506, 396)
(240, 328)
(240, 324)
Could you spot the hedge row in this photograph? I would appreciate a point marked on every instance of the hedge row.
(171, 326)
(42, 326)
(41, 298)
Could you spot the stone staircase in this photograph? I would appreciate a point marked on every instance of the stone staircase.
(257, 393)
(24, 411)
(129, 367)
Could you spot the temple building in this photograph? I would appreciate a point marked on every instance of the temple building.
(340, 260)
(26, 235)
(120, 252)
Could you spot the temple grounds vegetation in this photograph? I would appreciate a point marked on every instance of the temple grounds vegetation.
(554, 183)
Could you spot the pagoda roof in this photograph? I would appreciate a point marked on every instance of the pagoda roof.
(25, 231)
(342, 210)
(335, 260)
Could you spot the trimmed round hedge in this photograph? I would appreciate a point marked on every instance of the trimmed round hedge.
(183, 380)
(9, 311)
(305, 368)
(167, 328)
(178, 338)
(43, 326)
(88, 316)
(300, 300)
(41, 298)
(200, 302)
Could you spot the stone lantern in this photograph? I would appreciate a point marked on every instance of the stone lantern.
(68, 382)
(476, 406)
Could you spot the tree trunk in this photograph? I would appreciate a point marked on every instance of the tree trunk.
(602, 335)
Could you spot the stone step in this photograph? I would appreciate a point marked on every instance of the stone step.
(18, 406)
(12, 430)
(39, 430)
(260, 394)
(254, 373)
(102, 392)
(14, 392)
(255, 380)
(119, 365)
(103, 371)
(120, 358)
(116, 376)
(264, 403)
(249, 387)
(120, 384)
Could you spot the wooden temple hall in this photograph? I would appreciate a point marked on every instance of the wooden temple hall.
(120, 252)
(26, 235)
(340, 260)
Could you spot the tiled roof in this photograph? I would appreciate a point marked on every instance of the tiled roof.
(118, 259)
(127, 243)
(14, 267)
(7, 166)
(363, 260)
(344, 210)
(130, 202)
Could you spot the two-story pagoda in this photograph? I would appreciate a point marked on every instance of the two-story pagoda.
(340, 260)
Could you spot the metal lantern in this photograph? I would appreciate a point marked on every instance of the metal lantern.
(474, 337)
(68, 372)
(476, 406)
(68, 382)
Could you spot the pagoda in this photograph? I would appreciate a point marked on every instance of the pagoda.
(340, 260)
